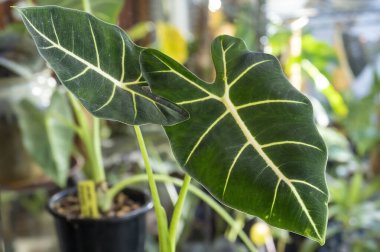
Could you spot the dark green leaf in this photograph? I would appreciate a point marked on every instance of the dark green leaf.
(48, 135)
(251, 140)
(99, 64)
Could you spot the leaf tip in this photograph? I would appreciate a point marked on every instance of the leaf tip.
(322, 242)
(321, 239)
(20, 10)
(17, 8)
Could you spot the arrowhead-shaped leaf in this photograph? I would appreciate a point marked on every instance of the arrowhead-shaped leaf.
(250, 139)
(99, 64)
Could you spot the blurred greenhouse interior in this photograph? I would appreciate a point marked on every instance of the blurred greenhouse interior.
(328, 49)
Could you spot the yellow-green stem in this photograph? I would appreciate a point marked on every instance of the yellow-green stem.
(232, 233)
(160, 214)
(91, 140)
(86, 6)
(177, 212)
(99, 173)
(193, 189)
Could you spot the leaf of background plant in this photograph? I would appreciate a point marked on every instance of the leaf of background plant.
(323, 85)
(250, 139)
(171, 42)
(99, 64)
(320, 53)
(48, 135)
(339, 148)
(106, 10)
(140, 30)
(18, 55)
(362, 122)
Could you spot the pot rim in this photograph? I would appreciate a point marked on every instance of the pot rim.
(148, 205)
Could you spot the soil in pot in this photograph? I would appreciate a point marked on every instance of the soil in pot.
(122, 205)
(121, 229)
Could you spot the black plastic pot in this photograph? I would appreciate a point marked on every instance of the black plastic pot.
(125, 234)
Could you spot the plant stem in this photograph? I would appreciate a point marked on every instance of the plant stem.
(91, 142)
(160, 212)
(99, 173)
(231, 234)
(86, 6)
(177, 212)
(193, 189)
(170, 188)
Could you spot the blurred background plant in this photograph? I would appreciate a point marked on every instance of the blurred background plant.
(329, 49)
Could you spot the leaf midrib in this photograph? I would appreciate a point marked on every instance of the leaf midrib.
(251, 139)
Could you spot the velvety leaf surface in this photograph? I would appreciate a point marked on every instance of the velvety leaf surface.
(48, 135)
(250, 139)
(99, 64)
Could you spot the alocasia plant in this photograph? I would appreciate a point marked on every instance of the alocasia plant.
(99, 64)
(251, 139)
